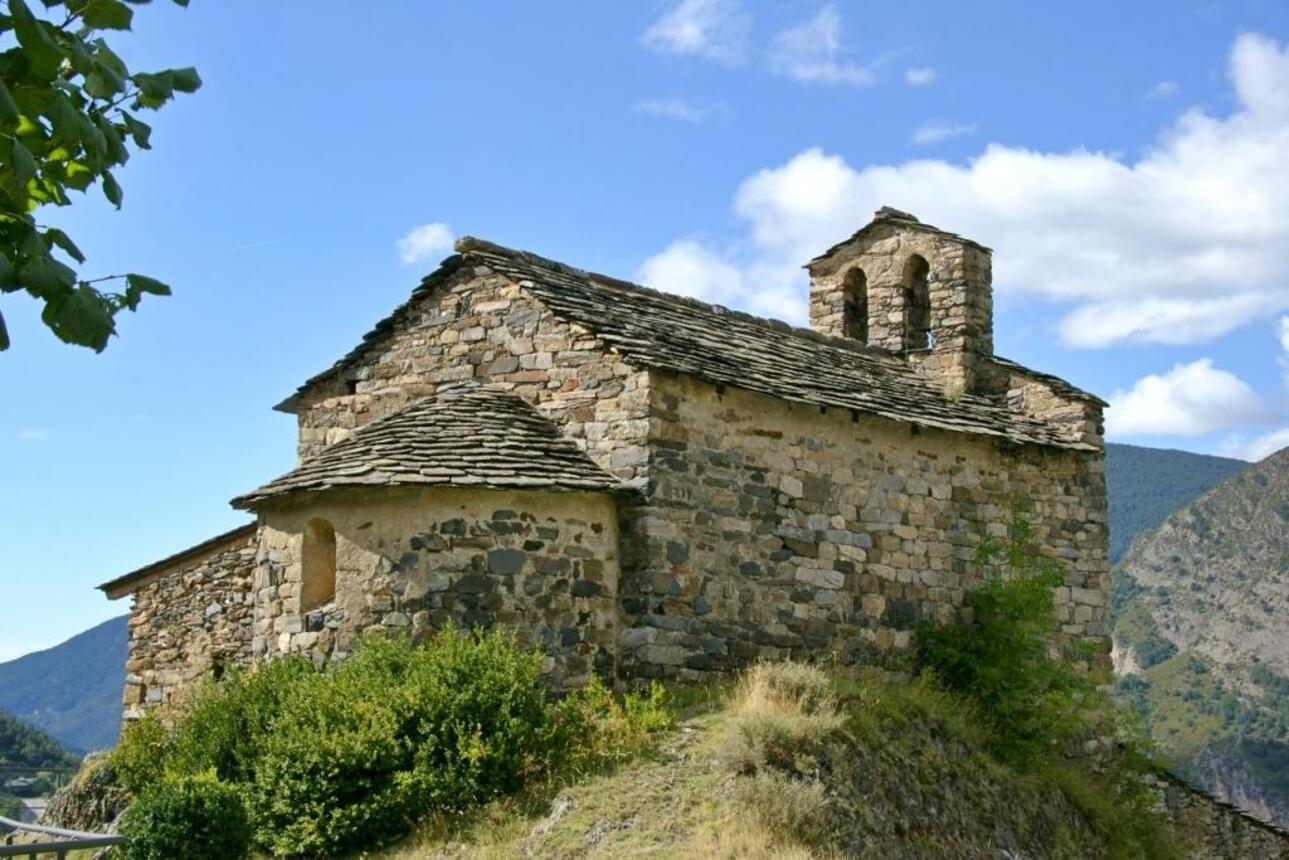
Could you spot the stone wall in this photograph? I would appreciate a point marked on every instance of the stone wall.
(1213, 830)
(480, 325)
(186, 624)
(774, 530)
(544, 565)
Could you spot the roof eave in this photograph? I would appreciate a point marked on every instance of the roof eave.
(135, 579)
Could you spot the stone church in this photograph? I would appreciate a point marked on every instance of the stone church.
(645, 485)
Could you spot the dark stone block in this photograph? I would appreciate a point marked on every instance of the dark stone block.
(900, 613)
(700, 605)
(677, 553)
(569, 636)
(506, 562)
(533, 545)
(750, 568)
(585, 588)
(534, 585)
(634, 605)
(452, 527)
(408, 561)
(473, 583)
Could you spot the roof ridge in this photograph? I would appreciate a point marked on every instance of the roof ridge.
(471, 245)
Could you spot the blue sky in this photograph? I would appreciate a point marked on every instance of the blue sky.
(1127, 162)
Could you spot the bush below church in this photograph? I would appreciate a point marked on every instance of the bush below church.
(347, 758)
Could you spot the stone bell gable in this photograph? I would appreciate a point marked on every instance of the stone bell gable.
(904, 286)
(648, 486)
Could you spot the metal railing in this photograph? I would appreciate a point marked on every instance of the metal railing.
(64, 841)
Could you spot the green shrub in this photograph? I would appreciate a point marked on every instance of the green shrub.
(348, 757)
(140, 755)
(594, 728)
(194, 817)
(393, 732)
(1031, 699)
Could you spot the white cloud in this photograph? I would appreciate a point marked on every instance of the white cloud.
(673, 109)
(33, 434)
(1190, 400)
(1254, 449)
(812, 52)
(1162, 90)
(934, 132)
(425, 242)
(689, 268)
(1182, 244)
(713, 29)
(919, 76)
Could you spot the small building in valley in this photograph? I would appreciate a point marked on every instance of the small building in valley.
(646, 485)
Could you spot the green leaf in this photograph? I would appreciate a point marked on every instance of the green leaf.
(84, 317)
(62, 240)
(46, 277)
(112, 190)
(64, 118)
(8, 108)
(186, 80)
(24, 166)
(39, 46)
(156, 86)
(139, 130)
(108, 15)
(144, 284)
(78, 175)
(8, 276)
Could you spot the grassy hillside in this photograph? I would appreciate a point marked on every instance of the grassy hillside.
(71, 691)
(854, 768)
(1145, 485)
(1201, 629)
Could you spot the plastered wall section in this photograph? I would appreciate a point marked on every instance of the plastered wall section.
(544, 565)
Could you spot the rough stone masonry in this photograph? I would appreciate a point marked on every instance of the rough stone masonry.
(645, 485)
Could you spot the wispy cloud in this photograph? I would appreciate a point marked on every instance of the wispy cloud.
(1255, 449)
(919, 76)
(813, 52)
(425, 242)
(250, 246)
(934, 132)
(680, 109)
(1162, 90)
(712, 29)
(33, 434)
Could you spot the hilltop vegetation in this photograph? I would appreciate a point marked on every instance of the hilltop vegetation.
(27, 753)
(457, 743)
(1145, 485)
(1199, 610)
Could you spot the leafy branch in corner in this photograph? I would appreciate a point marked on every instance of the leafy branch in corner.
(69, 112)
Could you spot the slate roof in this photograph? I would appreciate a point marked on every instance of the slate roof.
(465, 436)
(659, 330)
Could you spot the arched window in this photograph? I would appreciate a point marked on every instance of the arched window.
(318, 564)
(854, 291)
(917, 303)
